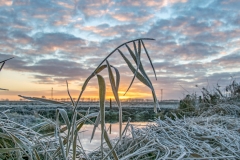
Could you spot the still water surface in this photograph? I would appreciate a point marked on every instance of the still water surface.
(86, 133)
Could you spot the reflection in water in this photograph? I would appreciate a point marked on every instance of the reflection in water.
(86, 133)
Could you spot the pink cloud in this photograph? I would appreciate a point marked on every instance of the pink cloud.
(6, 3)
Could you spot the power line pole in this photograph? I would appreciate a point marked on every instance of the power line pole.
(52, 94)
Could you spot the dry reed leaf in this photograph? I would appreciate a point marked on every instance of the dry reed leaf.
(115, 93)
(149, 59)
(102, 93)
(139, 76)
(97, 121)
(73, 104)
(48, 101)
(137, 61)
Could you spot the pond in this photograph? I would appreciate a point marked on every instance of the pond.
(87, 129)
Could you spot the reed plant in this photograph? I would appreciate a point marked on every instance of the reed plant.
(64, 142)
(213, 132)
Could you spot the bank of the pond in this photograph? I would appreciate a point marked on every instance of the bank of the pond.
(137, 111)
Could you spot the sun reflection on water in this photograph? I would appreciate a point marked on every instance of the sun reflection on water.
(86, 132)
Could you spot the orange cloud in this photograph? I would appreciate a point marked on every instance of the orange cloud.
(6, 3)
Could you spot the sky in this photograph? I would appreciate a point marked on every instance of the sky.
(197, 44)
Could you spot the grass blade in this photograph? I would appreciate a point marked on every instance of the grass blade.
(61, 143)
(36, 155)
(6, 150)
(75, 139)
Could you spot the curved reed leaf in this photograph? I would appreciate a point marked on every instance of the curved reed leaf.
(97, 121)
(102, 93)
(139, 76)
(21, 144)
(65, 117)
(112, 82)
(98, 70)
(139, 48)
(3, 62)
(131, 53)
(70, 94)
(3, 89)
(113, 148)
(75, 139)
(2, 66)
(140, 67)
(156, 104)
(149, 59)
(48, 101)
(62, 147)
(64, 150)
(86, 118)
(6, 60)
(143, 79)
(117, 77)
(138, 62)
(115, 93)
(120, 47)
(110, 145)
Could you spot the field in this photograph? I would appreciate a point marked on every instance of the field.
(214, 133)
(25, 111)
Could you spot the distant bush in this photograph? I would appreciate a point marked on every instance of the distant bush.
(194, 103)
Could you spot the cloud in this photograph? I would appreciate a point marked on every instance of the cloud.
(58, 40)
(54, 41)
(6, 3)
(228, 61)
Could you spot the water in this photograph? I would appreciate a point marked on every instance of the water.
(86, 133)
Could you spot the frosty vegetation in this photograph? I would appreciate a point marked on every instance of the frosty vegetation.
(201, 128)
